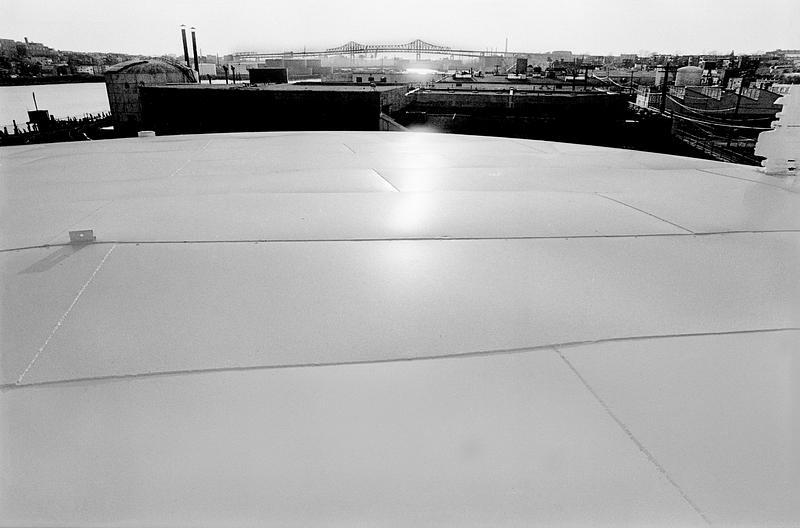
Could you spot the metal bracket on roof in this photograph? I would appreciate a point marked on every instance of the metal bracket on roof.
(85, 236)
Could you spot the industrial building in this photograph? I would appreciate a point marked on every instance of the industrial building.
(163, 97)
(716, 121)
(751, 103)
(538, 107)
(197, 108)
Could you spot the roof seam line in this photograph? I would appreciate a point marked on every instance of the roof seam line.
(710, 171)
(64, 316)
(645, 212)
(625, 429)
(381, 176)
(183, 165)
(417, 239)
(457, 355)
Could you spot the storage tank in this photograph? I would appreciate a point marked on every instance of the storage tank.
(122, 84)
(688, 76)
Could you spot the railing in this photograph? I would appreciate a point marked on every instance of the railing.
(679, 92)
(781, 89)
(647, 99)
(720, 149)
(715, 92)
(750, 93)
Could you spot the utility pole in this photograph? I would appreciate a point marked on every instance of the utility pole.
(664, 88)
(630, 82)
(735, 112)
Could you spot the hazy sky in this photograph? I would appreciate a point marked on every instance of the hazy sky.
(151, 27)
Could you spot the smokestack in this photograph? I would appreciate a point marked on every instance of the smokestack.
(194, 49)
(185, 47)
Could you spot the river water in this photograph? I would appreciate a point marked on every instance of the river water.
(62, 100)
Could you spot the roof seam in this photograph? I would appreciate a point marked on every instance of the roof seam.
(625, 429)
(709, 171)
(384, 178)
(645, 212)
(64, 316)
(457, 355)
(417, 239)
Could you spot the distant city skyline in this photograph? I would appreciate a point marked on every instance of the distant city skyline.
(151, 27)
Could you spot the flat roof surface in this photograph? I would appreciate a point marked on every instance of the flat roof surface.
(395, 328)
(286, 87)
(521, 89)
(503, 79)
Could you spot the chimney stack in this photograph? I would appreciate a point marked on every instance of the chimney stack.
(185, 47)
(196, 62)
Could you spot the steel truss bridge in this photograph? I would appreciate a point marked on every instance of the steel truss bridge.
(418, 47)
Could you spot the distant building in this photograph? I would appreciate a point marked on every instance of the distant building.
(493, 62)
(565, 56)
(538, 59)
(86, 69)
(268, 75)
(38, 49)
(295, 67)
(207, 69)
(8, 47)
(393, 77)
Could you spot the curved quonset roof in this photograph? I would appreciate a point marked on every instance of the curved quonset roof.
(395, 328)
(150, 67)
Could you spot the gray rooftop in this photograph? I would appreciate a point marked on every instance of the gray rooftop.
(317, 87)
(395, 328)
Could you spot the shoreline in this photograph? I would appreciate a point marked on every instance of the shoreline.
(61, 79)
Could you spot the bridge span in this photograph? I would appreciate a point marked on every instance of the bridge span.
(352, 48)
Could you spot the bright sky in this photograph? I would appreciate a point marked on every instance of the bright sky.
(151, 27)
